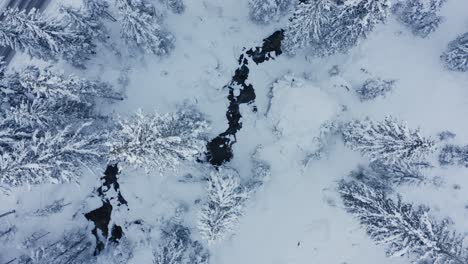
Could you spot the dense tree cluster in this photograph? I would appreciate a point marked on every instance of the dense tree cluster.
(420, 16)
(329, 26)
(47, 131)
(44, 37)
(142, 27)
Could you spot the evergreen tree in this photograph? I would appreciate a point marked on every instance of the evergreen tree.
(176, 240)
(43, 38)
(330, 26)
(383, 176)
(388, 140)
(406, 229)
(454, 155)
(455, 57)
(142, 27)
(421, 16)
(37, 142)
(373, 88)
(159, 142)
(226, 199)
(177, 247)
(356, 20)
(35, 99)
(266, 11)
(84, 21)
(53, 157)
(2, 66)
(97, 8)
(309, 26)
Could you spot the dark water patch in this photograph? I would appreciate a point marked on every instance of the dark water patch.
(101, 216)
(219, 149)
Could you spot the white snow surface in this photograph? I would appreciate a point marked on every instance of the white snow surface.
(296, 216)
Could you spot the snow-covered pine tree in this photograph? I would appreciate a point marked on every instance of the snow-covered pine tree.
(35, 100)
(373, 88)
(73, 247)
(406, 229)
(455, 57)
(309, 26)
(84, 21)
(172, 249)
(266, 11)
(400, 172)
(177, 247)
(37, 142)
(142, 27)
(225, 204)
(388, 140)
(52, 157)
(97, 8)
(356, 20)
(331, 26)
(383, 176)
(454, 155)
(176, 6)
(42, 37)
(421, 16)
(159, 142)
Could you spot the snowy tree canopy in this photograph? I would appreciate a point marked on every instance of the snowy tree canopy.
(159, 142)
(53, 157)
(177, 247)
(454, 155)
(266, 11)
(225, 204)
(388, 140)
(34, 98)
(406, 229)
(309, 25)
(329, 26)
(46, 130)
(97, 8)
(142, 27)
(383, 176)
(44, 38)
(421, 16)
(84, 21)
(455, 57)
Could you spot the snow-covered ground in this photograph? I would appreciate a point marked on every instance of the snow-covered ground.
(297, 215)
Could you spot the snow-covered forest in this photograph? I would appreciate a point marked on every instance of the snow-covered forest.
(234, 131)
